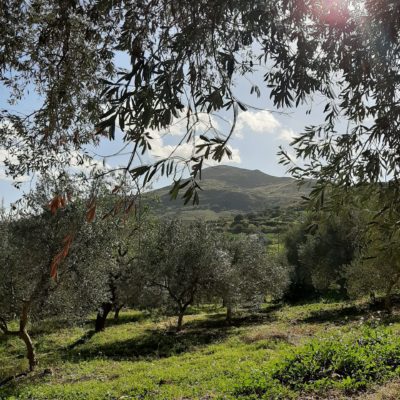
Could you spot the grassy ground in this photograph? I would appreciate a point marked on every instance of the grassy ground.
(279, 352)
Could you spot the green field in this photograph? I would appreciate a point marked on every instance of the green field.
(331, 350)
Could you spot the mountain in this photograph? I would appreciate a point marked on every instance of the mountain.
(231, 190)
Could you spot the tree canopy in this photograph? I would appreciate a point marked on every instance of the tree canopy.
(184, 60)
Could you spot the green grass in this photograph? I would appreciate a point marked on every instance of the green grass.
(279, 352)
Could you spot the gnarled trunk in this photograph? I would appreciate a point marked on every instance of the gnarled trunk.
(180, 320)
(117, 309)
(229, 312)
(388, 301)
(23, 334)
(182, 310)
(30, 349)
(102, 316)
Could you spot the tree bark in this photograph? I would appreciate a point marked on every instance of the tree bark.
(372, 298)
(116, 311)
(24, 335)
(229, 313)
(30, 349)
(180, 320)
(102, 316)
(388, 301)
(182, 310)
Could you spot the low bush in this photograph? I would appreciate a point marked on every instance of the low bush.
(350, 364)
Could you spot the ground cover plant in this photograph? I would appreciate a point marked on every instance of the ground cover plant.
(327, 349)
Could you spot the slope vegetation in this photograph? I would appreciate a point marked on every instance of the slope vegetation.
(229, 190)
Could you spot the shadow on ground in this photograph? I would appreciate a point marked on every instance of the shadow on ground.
(150, 344)
(161, 343)
(125, 319)
(344, 314)
(339, 315)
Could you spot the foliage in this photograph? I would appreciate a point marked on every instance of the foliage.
(177, 260)
(329, 248)
(301, 279)
(321, 247)
(64, 52)
(32, 243)
(245, 273)
(52, 263)
(59, 51)
(350, 364)
(376, 265)
(359, 54)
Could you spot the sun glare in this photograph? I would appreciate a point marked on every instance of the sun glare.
(333, 12)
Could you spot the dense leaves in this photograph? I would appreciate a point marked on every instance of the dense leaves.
(184, 59)
(320, 249)
(245, 273)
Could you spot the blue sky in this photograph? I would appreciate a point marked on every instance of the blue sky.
(259, 133)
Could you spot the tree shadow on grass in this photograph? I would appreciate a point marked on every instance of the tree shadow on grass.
(271, 308)
(82, 340)
(52, 325)
(161, 343)
(374, 315)
(151, 344)
(125, 318)
(339, 315)
(239, 319)
(348, 312)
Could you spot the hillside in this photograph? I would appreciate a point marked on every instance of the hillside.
(230, 190)
(320, 351)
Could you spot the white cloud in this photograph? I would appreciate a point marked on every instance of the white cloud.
(6, 156)
(257, 122)
(262, 122)
(185, 150)
(287, 134)
(178, 127)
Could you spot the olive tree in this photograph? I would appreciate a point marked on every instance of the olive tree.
(320, 248)
(124, 230)
(376, 266)
(301, 284)
(177, 258)
(29, 246)
(245, 273)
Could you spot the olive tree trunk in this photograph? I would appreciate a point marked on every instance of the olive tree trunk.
(181, 314)
(117, 309)
(180, 321)
(23, 334)
(102, 316)
(388, 301)
(229, 313)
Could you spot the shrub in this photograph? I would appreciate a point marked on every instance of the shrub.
(352, 364)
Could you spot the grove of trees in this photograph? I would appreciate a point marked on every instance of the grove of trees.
(67, 258)
(67, 264)
(108, 262)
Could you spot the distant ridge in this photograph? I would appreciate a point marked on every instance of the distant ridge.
(240, 177)
(230, 190)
